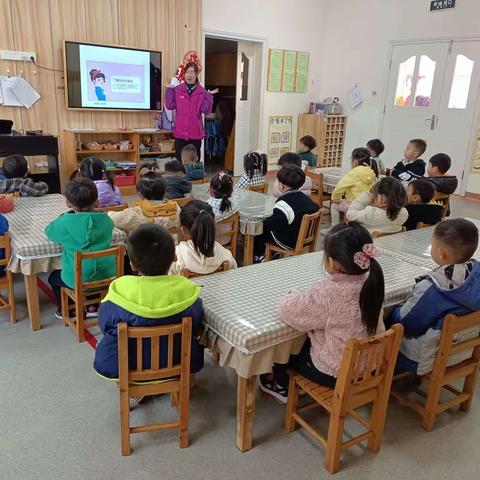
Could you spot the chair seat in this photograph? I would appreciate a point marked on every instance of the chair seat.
(322, 395)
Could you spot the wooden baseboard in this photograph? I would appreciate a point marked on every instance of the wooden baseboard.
(472, 196)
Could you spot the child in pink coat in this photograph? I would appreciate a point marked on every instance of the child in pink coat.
(346, 304)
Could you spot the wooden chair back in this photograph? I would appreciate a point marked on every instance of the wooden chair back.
(317, 187)
(88, 293)
(458, 358)
(113, 208)
(262, 188)
(377, 234)
(444, 199)
(6, 281)
(229, 227)
(365, 377)
(173, 378)
(188, 274)
(181, 202)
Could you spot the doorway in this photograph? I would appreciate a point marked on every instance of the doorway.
(234, 66)
(432, 93)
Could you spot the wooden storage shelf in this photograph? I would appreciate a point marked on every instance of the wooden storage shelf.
(144, 154)
(329, 132)
(102, 152)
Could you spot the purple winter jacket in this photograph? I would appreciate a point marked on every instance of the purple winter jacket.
(107, 196)
(188, 121)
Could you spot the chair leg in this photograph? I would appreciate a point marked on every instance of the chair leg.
(183, 413)
(125, 423)
(431, 405)
(290, 423)
(334, 441)
(79, 320)
(377, 423)
(469, 387)
(64, 306)
(11, 300)
(268, 253)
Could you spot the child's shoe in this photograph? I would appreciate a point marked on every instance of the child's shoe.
(270, 386)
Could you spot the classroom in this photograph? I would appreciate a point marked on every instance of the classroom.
(239, 239)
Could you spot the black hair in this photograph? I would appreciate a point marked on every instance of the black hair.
(290, 158)
(94, 168)
(190, 151)
(94, 74)
(174, 166)
(459, 235)
(424, 188)
(81, 193)
(198, 218)
(151, 186)
(291, 176)
(254, 161)
(15, 166)
(395, 194)
(341, 244)
(151, 249)
(148, 167)
(376, 145)
(363, 158)
(442, 161)
(420, 145)
(221, 186)
(309, 142)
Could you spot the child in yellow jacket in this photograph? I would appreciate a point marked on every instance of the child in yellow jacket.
(359, 179)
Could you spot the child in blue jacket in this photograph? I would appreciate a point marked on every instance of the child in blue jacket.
(152, 298)
(453, 287)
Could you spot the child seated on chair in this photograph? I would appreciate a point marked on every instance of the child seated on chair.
(178, 185)
(305, 146)
(193, 166)
(15, 170)
(150, 299)
(198, 252)
(152, 208)
(437, 170)
(3, 230)
(291, 158)
(376, 148)
(420, 207)
(82, 229)
(255, 168)
(453, 287)
(382, 209)
(283, 226)
(412, 166)
(346, 304)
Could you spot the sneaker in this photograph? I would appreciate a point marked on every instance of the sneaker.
(58, 315)
(271, 387)
(92, 311)
(324, 231)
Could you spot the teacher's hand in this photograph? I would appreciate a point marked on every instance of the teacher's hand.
(169, 85)
(213, 92)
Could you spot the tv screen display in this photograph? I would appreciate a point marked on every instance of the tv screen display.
(107, 77)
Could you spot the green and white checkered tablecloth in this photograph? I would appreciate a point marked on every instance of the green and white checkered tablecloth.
(331, 176)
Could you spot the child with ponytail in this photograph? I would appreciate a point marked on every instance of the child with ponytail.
(221, 201)
(344, 305)
(199, 252)
(255, 165)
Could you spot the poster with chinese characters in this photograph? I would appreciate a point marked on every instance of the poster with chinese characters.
(279, 137)
(476, 155)
(287, 71)
(441, 5)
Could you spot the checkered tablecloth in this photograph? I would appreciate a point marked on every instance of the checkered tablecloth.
(27, 224)
(241, 305)
(331, 176)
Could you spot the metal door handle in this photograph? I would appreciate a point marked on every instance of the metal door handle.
(432, 121)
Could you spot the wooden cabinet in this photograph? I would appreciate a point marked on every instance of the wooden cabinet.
(329, 132)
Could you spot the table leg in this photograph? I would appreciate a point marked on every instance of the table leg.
(32, 301)
(248, 250)
(245, 412)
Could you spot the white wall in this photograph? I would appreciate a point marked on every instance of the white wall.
(285, 25)
(357, 36)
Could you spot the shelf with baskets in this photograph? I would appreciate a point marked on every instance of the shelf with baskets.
(329, 132)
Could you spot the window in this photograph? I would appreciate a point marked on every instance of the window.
(461, 82)
(426, 73)
(404, 82)
(244, 72)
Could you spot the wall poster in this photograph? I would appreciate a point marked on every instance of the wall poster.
(279, 137)
(287, 71)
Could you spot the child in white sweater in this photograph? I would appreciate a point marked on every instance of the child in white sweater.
(199, 252)
(383, 208)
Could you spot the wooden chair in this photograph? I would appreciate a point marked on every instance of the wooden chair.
(423, 225)
(113, 208)
(365, 377)
(443, 375)
(377, 234)
(87, 293)
(181, 202)
(6, 280)
(318, 195)
(307, 237)
(229, 227)
(188, 274)
(444, 199)
(262, 188)
(174, 378)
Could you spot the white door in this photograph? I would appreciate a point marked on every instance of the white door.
(432, 94)
(243, 107)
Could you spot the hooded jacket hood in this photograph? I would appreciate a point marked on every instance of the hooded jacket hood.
(158, 209)
(446, 184)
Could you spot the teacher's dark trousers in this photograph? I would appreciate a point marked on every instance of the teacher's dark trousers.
(180, 143)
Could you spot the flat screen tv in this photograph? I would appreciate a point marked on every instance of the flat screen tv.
(103, 77)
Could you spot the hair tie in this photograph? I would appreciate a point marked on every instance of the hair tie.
(202, 211)
(362, 259)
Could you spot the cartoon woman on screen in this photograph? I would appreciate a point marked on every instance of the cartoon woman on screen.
(98, 79)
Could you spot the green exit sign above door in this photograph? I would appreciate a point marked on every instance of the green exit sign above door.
(441, 4)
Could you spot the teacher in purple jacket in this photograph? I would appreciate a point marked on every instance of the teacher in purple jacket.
(190, 100)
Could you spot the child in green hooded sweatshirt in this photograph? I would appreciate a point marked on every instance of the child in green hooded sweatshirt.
(82, 229)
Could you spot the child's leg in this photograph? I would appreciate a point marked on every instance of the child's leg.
(56, 282)
(336, 209)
